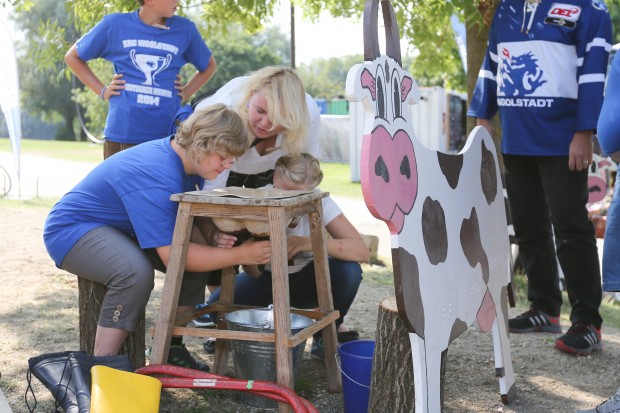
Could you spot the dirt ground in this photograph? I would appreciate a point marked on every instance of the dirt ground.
(38, 314)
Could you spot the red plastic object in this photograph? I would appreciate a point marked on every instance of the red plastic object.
(196, 379)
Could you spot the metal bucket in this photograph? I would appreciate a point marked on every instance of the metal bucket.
(256, 360)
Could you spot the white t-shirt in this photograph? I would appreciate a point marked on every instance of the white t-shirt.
(330, 211)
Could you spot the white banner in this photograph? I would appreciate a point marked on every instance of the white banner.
(9, 93)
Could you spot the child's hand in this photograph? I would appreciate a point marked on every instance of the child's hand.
(255, 252)
(178, 85)
(113, 89)
(298, 245)
(224, 240)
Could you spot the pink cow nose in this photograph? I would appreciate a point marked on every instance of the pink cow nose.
(390, 180)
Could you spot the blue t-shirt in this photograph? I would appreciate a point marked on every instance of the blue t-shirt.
(544, 71)
(129, 191)
(609, 120)
(149, 58)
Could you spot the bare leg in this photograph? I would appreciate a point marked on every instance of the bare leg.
(108, 341)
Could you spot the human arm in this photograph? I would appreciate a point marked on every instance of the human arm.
(88, 77)
(608, 127)
(486, 124)
(196, 82)
(580, 150)
(344, 243)
(202, 258)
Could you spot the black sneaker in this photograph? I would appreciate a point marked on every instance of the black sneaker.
(205, 320)
(534, 321)
(581, 339)
(179, 356)
(209, 346)
(318, 351)
(346, 336)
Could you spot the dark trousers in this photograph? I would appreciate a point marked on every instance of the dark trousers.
(547, 199)
(110, 148)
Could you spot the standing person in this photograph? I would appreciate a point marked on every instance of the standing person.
(115, 227)
(345, 248)
(544, 71)
(148, 48)
(281, 119)
(609, 138)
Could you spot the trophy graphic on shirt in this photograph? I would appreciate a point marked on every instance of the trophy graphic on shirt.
(149, 65)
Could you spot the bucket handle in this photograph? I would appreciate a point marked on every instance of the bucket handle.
(345, 374)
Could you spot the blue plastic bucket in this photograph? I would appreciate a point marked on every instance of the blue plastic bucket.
(356, 368)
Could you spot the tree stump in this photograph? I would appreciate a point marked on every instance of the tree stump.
(391, 384)
(90, 299)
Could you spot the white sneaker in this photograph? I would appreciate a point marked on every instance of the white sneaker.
(611, 405)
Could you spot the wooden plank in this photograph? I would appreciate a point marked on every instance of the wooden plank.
(281, 301)
(172, 284)
(324, 293)
(227, 295)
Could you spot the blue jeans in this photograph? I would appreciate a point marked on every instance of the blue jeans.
(547, 198)
(611, 246)
(346, 277)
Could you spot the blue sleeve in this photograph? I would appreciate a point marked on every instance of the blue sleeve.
(94, 43)
(197, 53)
(609, 120)
(483, 103)
(593, 45)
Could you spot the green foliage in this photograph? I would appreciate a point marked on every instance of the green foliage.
(46, 26)
(326, 78)
(240, 52)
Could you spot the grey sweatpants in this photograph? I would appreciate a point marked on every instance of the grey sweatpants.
(108, 256)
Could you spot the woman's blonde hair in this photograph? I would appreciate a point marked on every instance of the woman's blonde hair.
(215, 128)
(286, 103)
(303, 169)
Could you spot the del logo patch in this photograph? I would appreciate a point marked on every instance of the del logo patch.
(562, 14)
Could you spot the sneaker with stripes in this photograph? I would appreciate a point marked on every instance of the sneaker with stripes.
(534, 321)
(611, 405)
(581, 339)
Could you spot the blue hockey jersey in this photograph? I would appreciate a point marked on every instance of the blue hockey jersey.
(544, 70)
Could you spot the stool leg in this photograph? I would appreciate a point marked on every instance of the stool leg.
(324, 294)
(172, 284)
(227, 296)
(281, 301)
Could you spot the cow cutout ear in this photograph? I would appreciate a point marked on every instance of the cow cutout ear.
(371, 32)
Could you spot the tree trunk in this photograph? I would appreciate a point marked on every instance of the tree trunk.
(477, 38)
(90, 299)
(391, 384)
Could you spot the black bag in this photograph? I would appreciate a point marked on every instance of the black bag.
(66, 375)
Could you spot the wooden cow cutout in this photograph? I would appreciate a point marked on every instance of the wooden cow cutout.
(445, 213)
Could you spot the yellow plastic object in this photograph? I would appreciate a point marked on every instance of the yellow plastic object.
(117, 391)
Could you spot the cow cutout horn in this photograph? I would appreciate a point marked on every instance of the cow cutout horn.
(371, 32)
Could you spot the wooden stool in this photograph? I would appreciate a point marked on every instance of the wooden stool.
(279, 213)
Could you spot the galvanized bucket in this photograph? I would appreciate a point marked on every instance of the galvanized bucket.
(256, 360)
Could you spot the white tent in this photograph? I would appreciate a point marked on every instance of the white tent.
(9, 95)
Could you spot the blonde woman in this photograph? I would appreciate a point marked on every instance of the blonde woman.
(281, 119)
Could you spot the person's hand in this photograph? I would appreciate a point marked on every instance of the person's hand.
(580, 151)
(223, 240)
(113, 89)
(255, 252)
(178, 85)
(298, 245)
(486, 124)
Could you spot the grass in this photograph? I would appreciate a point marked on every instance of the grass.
(609, 306)
(336, 181)
(71, 151)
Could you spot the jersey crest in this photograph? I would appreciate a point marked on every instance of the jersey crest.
(519, 75)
